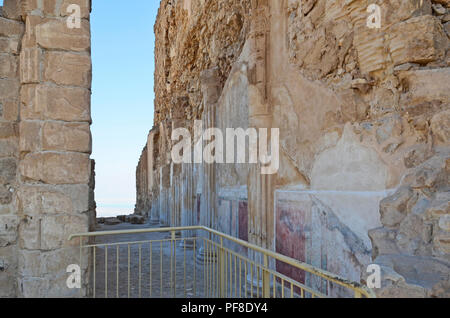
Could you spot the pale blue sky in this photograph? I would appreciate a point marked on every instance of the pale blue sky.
(122, 96)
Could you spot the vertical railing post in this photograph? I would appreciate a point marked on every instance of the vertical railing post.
(266, 278)
(173, 265)
(81, 266)
(222, 261)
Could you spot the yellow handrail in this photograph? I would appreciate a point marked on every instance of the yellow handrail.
(357, 288)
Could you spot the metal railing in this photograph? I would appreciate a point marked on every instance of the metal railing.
(200, 263)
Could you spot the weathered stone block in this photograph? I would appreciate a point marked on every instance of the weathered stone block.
(29, 232)
(10, 28)
(8, 130)
(68, 69)
(416, 155)
(8, 65)
(66, 136)
(40, 199)
(7, 170)
(7, 208)
(418, 40)
(394, 11)
(55, 34)
(30, 65)
(8, 229)
(57, 103)
(8, 148)
(370, 46)
(30, 136)
(29, 263)
(56, 168)
(414, 235)
(28, 109)
(33, 287)
(8, 280)
(52, 263)
(12, 9)
(10, 110)
(55, 262)
(28, 6)
(60, 7)
(9, 45)
(9, 88)
(5, 197)
(58, 287)
(50, 7)
(440, 125)
(431, 174)
(425, 86)
(8, 283)
(393, 209)
(85, 6)
(57, 229)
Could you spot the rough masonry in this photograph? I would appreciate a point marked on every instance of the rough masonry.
(46, 174)
(363, 115)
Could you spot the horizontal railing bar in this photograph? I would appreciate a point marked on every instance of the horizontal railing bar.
(138, 231)
(285, 259)
(141, 242)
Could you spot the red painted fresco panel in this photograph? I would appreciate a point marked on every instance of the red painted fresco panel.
(290, 239)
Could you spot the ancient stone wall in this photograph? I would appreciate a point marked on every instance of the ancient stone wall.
(363, 115)
(142, 186)
(46, 173)
(11, 32)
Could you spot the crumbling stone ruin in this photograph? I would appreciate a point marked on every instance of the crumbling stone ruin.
(362, 112)
(363, 115)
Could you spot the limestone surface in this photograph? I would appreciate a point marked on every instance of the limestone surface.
(363, 120)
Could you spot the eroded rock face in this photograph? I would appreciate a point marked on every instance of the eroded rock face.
(209, 34)
(363, 120)
(395, 77)
(417, 219)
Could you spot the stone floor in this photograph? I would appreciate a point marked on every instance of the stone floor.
(140, 284)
